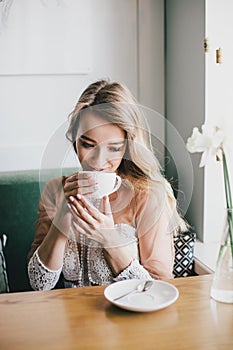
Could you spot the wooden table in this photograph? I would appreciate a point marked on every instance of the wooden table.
(84, 319)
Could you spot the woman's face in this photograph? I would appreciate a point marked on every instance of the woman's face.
(100, 145)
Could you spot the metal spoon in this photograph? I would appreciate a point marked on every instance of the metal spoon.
(141, 287)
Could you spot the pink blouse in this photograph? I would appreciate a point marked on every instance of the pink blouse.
(139, 215)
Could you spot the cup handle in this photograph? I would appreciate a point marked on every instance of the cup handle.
(117, 184)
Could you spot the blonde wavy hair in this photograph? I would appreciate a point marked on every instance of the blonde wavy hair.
(115, 104)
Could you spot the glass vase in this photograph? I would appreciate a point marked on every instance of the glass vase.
(222, 286)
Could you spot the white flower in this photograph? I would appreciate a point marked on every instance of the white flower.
(209, 141)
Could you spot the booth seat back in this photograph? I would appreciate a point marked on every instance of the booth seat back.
(19, 196)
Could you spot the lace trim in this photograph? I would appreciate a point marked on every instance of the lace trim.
(134, 270)
(41, 278)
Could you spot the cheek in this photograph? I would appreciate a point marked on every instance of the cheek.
(84, 155)
(81, 153)
(123, 154)
(118, 159)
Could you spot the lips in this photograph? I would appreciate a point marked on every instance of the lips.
(95, 169)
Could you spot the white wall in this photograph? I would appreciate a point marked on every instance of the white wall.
(219, 110)
(34, 106)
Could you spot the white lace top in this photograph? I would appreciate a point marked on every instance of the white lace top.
(84, 263)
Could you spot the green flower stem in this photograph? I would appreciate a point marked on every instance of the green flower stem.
(230, 230)
(227, 182)
(228, 201)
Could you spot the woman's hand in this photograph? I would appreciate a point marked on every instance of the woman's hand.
(99, 226)
(79, 183)
(91, 222)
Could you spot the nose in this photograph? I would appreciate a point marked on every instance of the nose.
(99, 157)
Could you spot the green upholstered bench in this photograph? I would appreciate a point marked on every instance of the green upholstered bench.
(19, 196)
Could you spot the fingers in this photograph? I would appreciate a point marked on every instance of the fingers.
(90, 219)
(83, 202)
(70, 186)
(85, 211)
(106, 207)
(86, 226)
(79, 184)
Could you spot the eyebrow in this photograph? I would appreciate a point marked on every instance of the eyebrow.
(110, 143)
(86, 138)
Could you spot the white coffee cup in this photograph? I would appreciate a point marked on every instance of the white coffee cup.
(107, 182)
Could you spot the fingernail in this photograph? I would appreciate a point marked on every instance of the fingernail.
(79, 196)
(69, 206)
(71, 198)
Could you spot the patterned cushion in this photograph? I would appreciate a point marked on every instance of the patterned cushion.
(184, 247)
(3, 274)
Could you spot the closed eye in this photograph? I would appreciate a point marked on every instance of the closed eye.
(116, 149)
(86, 144)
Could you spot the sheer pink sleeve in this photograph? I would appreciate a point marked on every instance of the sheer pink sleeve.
(156, 245)
(49, 201)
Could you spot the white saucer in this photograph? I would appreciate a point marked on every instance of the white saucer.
(159, 296)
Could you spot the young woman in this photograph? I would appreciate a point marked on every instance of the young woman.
(129, 234)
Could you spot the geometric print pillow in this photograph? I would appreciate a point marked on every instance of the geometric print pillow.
(184, 248)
